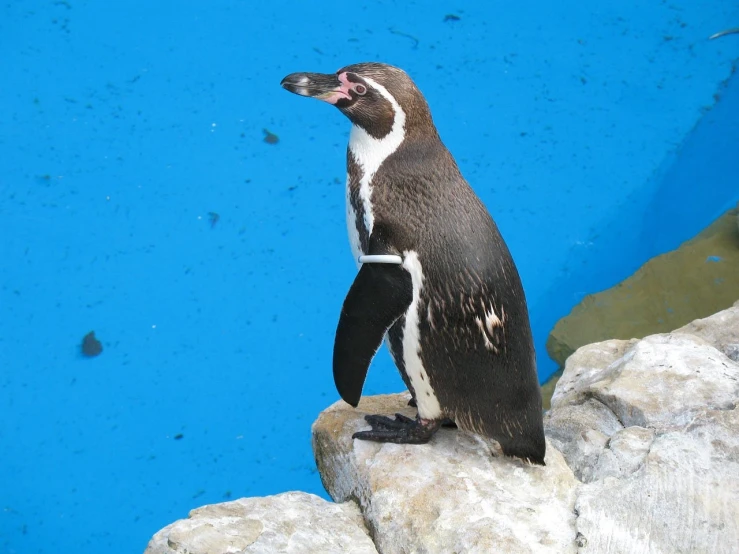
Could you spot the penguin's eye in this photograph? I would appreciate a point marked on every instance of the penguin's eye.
(361, 90)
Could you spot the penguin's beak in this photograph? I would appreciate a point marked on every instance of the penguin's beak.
(326, 87)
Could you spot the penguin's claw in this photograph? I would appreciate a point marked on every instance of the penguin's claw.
(386, 423)
(401, 430)
(380, 422)
(404, 419)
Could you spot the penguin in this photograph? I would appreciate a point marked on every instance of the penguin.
(436, 281)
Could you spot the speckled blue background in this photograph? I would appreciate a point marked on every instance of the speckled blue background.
(598, 135)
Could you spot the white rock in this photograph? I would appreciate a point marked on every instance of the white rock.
(682, 498)
(292, 522)
(624, 453)
(581, 432)
(651, 428)
(450, 495)
(586, 366)
(663, 380)
(721, 330)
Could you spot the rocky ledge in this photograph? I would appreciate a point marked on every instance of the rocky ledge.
(643, 456)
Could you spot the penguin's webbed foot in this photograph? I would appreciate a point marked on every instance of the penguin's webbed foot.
(401, 430)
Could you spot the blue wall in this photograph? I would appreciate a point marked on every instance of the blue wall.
(124, 124)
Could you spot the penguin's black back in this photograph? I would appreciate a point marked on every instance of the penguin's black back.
(423, 204)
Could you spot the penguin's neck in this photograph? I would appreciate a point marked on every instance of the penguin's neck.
(368, 154)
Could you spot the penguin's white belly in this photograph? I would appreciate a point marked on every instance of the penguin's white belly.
(428, 404)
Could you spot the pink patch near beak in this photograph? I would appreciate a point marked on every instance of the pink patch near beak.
(338, 93)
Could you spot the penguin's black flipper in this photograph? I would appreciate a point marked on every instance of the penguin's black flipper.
(380, 294)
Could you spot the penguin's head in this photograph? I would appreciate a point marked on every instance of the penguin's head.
(369, 94)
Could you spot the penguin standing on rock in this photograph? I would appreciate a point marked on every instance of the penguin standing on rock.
(435, 276)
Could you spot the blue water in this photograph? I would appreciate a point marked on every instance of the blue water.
(597, 134)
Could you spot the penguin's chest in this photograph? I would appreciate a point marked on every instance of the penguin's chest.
(365, 158)
(360, 210)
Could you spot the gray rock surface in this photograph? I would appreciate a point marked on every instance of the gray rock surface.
(679, 493)
(292, 522)
(450, 495)
(652, 430)
(720, 330)
(659, 381)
